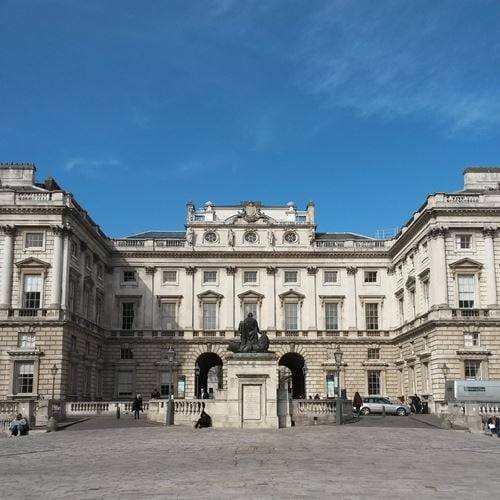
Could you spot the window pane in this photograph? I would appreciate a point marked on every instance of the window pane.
(127, 315)
(291, 320)
(26, 340)
(250, 277)
(472, 369)
(290, 276)
(32, 291)
(169, 276)
(331, 316)
(168, 311)
(250, 307)
(466, 291)
(124, 383)
(209, 276)
(370, 276)
(209, 316)
(373, 353)
(373, 382)
(129, 277)
(34, 240)
(24, 377)
(371, 311)
(330, 276)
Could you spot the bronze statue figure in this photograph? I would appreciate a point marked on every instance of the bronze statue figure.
(251, 338)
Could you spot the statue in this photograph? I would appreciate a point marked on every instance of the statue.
(190, 236)
(231, 238)
(251, 338)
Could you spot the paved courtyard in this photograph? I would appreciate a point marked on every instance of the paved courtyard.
(396, 459)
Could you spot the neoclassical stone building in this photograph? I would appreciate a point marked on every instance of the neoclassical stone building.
(407, 312)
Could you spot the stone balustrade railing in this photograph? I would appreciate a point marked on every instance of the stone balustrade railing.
(149, 244)
(74, 408)
(479, 408)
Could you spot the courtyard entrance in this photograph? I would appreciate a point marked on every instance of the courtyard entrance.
(208, 374)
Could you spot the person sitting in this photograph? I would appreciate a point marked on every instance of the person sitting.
(493, 424)
(19, 426)
(204, 421)
(316, 396)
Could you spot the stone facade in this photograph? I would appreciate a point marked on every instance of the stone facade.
(107, 313)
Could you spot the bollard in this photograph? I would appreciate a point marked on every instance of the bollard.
(51, 425)
(117, 411)
(383, 411)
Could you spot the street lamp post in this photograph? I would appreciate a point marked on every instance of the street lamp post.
(338, 355)
(304, 372)
(197, 381)
(446, 371)
(53, 372)
(170, 403)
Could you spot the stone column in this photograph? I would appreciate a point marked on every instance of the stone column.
(438, 289)
(149, 316)
(57, 267)
(312, 299)
(489, 261)
(7, 264)
(351, 299)
(191, 300)
(65, 269)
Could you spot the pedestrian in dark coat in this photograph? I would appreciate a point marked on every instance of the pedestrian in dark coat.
(137, 406)
(357, 402)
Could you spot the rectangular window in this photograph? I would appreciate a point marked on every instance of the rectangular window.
(100, 272)
(371, 315)
(471, 339)
(23, 377)
(425, 378)
(26, 341)
(300, 218)
(168, 314)
(250, 277)
(209, 316)
(413, 304)
(466, 291)
(74, 250)
(169, 276)
(370, 276)
(330, 277)
(291, 316)
(126, 353)
(250, 307)
(425, 292)
(128, 315)
(88, 262)
(33, 240)
(165, 384)
(129, 277)
(331, 316)
(291, 276)
(99, 304)
(73, 343)
(472, 369)
(373, 382)
(209, 276)
(401, 305)
(99, 351)
(87, 347)
(32, 291)
(125, 383)
(373, 353)
(464, 241)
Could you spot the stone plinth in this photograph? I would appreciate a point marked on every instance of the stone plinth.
(252, 391)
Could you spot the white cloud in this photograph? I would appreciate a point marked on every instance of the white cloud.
(391, 58)
(86, 164)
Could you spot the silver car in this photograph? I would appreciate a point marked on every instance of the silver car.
(377, 404)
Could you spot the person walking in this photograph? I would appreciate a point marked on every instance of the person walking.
(357, 402)
(137, 406)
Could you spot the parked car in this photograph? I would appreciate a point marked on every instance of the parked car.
(375, 405)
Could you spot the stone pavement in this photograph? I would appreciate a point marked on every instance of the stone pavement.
(348, 462)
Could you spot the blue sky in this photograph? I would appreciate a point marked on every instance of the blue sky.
(362, 106)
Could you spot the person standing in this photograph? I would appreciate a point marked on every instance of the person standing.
(494, 425)
(357, 402)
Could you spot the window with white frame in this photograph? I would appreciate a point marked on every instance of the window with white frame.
(370, 276)
(169, 277)
(127, 315)
(331, 315)
(250, 307)
(169, 316)
(34, 240)
(372, 315)
(125, 383)
(330, 277)
(166, 384)
(209, 277)
(249, 277)
(425, 378)
(209, 316)
(466, 291)
(373, 379)
(290, 277)
(472, 369)
(129, 277)
(471, 339)
(412, 303)
(411, 380)
(463, 241)
(99, 306)
(401, 306)
(32, 291)
(74, 249)
(425, 293)
(126, 353)
(291, 310)
(73, 293)
(26, 341)
(373, 353)
(23, 377)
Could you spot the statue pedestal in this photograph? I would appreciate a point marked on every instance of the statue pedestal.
(252, 390)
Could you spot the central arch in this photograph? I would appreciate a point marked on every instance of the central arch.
(208, 374)
(295, 364)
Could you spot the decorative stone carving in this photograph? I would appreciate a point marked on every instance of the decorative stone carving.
(271, 270)
(190, 270)
(251, 212)
(8, 229)
(391, 270)
(251, 338)
(352, 270)
(231, 270)
(150, 269)
(489, 231)
(312, 270)
(438, 232)
(231, 238)
(190, 236)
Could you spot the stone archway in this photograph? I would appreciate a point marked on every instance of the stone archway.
(293, 376)
(208, 373)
